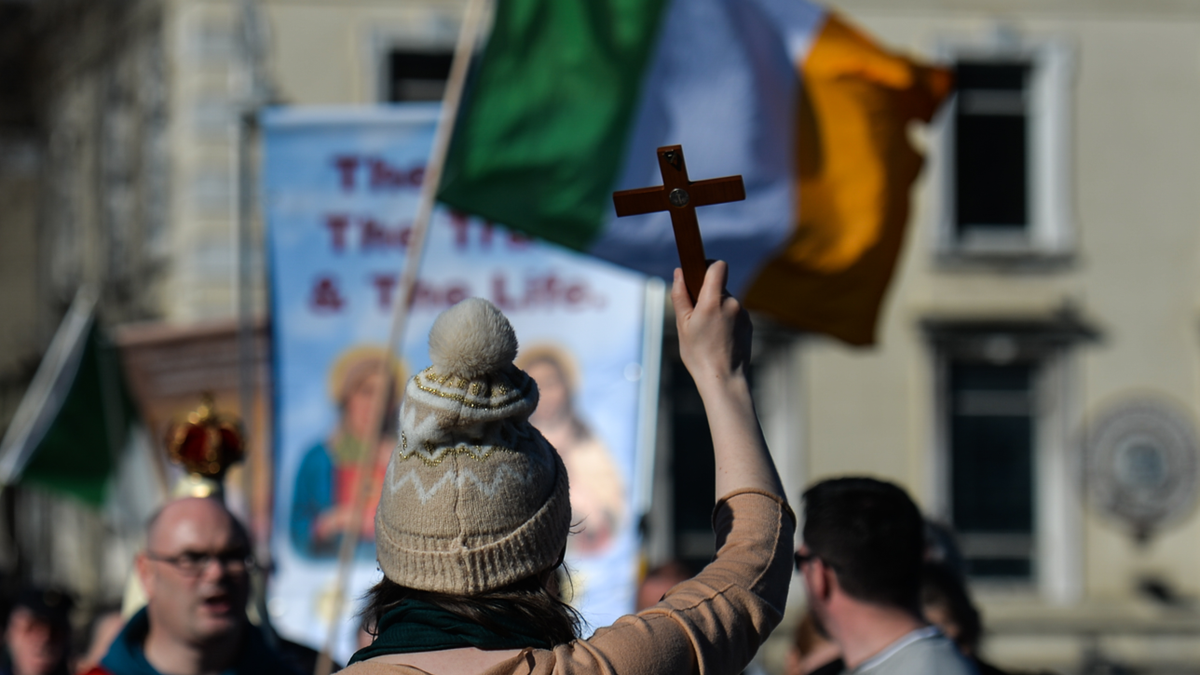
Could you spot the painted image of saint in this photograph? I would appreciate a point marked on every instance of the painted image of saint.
(598, 501)
(329, 472)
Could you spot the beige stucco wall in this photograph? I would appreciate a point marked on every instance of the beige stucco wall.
(319, 53)
(333, 53)
(1135, 181)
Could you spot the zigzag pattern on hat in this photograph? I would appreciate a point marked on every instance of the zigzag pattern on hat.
(432, 456)
(461, 479)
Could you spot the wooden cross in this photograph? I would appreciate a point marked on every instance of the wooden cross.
(680, 197)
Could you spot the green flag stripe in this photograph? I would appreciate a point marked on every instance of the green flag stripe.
(77, 455)
(542, 133)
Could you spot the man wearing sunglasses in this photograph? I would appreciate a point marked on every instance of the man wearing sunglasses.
(196, 573)
(864, 544)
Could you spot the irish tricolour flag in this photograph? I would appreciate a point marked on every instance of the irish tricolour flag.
(571, 98)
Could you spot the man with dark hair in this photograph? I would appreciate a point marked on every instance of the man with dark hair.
(196, 572)
(861, 561)
(947, 605)
(38, 633)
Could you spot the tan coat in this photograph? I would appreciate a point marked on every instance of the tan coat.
(712, 623)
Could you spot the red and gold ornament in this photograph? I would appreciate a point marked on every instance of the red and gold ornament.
(206, 443)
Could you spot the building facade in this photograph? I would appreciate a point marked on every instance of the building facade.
(1037, 380)
(1035, 386)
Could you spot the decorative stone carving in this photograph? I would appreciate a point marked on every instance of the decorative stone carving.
(1140, 459)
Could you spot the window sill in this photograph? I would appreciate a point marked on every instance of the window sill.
(1004, 260)
(1006, 590)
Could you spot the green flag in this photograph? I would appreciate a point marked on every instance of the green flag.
(74, 420)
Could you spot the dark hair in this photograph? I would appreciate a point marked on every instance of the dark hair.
(872, 535)
(527, 602)
(942, 587)
(52, 605)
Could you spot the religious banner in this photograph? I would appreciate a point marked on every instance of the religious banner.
(340, 191)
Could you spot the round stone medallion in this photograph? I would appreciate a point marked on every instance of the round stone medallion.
(1141, 464)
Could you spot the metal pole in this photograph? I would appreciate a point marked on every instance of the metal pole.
(247, 358)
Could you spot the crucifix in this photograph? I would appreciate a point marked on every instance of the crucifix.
(680, 197)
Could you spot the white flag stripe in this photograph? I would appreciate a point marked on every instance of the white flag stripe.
(723, 83)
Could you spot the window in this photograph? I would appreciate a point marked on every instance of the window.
(991, 130)
(692, 468)
(1003, 151)
(417, 75)
(1006, 407)
(991, 434)
(408, 59)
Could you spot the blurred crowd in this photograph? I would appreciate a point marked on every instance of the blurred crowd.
(869, 563)
(39, 640)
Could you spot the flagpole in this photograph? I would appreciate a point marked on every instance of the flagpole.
(467, 37)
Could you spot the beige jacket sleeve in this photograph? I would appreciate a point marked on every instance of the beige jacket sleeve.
(711, 624)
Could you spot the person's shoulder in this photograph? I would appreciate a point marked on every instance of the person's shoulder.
(935, 655)
(376, 668)
(97, 670)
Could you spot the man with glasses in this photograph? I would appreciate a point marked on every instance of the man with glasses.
(864, 545)
(196, 573)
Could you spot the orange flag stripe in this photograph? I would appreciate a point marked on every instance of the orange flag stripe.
(855, 168)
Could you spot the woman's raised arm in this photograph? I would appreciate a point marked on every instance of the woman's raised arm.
(714, 343)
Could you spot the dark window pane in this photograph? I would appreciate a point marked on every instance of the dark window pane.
(990, 171)
(991, 464)
(692, 469)
(990, 75)
(418, 76)
(991, 147)
(973, 376)
(992, 567)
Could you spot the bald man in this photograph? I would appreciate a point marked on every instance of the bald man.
(196, 573)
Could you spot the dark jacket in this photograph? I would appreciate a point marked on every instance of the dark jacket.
(126, 656)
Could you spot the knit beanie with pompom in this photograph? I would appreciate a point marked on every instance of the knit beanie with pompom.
(474, 498)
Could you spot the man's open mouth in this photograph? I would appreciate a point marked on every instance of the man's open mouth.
(219, 603)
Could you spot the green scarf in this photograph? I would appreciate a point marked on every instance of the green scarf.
(416, 626)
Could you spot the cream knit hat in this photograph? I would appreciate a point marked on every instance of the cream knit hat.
(474, 498)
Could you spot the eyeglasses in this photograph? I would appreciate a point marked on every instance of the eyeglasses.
(802, 559)
(193, 563)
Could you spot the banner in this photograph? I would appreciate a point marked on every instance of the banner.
(340, 190)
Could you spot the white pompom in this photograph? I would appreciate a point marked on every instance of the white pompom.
(470, 339)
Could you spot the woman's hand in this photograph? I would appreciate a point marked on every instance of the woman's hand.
(715, 332)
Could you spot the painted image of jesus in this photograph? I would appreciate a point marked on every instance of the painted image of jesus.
(329, 474)
(598, 501)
